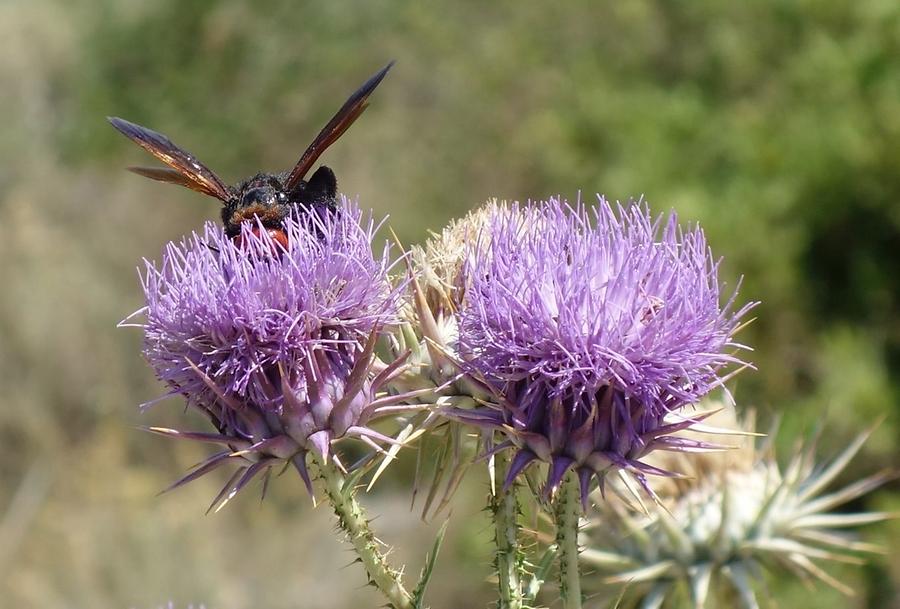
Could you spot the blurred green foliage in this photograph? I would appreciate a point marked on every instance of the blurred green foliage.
(775, 124)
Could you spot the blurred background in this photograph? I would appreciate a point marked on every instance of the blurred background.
(775, 124)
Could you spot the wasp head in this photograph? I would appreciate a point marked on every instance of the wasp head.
(260, 199)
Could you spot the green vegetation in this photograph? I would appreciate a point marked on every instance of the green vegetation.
(775, 124)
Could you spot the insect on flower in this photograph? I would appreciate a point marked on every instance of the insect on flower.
(278, 356)
(265, 198)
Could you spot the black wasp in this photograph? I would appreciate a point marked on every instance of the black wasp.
(266, 197)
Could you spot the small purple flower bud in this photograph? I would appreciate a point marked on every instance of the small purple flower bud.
(273, 344)
(593, 326)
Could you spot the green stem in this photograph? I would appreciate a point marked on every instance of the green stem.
(352, 520)
(505, 511)
(568, 510)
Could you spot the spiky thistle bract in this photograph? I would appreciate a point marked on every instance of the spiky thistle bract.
(738, 516)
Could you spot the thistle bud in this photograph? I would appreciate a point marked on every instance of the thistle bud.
(738, 515)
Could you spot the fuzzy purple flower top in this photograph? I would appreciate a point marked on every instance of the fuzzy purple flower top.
(592, 326)
(274, 344)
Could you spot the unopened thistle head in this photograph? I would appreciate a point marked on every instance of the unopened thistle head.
(430, 314)
(739, 515)
(439, 262)
(592, 325)
(274, 345)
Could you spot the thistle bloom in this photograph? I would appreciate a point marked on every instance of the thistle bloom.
(274, 345)
(592, 326)
(737, 515)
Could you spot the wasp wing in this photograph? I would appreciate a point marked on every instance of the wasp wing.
(171, 176)
(335, 128)
(185, 170)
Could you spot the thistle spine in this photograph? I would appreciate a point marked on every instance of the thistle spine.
(352, 520)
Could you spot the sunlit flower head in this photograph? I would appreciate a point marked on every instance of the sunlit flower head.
(593, 325)
(274, 344)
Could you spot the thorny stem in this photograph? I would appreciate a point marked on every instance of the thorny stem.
(568, 510)
(352, 520)
(505, 510)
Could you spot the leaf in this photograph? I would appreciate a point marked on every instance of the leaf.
(428, 568)
(351, 481)
(540, 574)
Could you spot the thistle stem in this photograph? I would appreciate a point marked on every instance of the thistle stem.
(505, 510)
(568, 510)
(352, 520)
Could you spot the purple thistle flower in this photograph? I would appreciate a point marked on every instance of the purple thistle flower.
(274, 345)
(592, 327)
